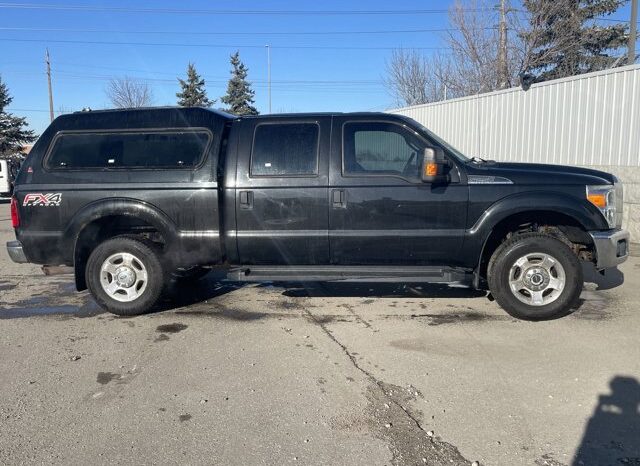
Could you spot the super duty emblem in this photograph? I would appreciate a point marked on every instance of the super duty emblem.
(42, 199)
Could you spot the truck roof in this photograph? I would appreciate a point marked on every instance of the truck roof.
(155, 110)
(221, 113)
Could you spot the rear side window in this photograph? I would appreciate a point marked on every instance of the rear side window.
(153, 149)
(288, 149)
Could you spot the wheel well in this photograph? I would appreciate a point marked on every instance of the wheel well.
(104, 228)
(556, 224)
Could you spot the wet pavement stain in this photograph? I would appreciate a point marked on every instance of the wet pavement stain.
(593, 306)
(104, 378)
(234, 314)
(410, 345)
(6, 286)
(62, 300)
(329, 318)
(171, 328)
(67, 288)
(21, 312)
(161, 337)
(460, 317)
(184, 417)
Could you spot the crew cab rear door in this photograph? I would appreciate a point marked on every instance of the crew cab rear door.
(281, 191)
(381, 213)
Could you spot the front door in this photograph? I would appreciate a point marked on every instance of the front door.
(281, 191)
(381, 212)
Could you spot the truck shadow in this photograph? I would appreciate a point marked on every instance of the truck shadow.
(376, 290)
(611, 278)
(612, 434)
(187, 293)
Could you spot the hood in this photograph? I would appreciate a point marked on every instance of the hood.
(536, 173)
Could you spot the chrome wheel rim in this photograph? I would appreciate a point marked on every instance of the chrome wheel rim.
(537, 279)
(123, 277)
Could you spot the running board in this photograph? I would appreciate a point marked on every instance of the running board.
(295, 273)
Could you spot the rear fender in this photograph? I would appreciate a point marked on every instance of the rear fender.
(113, 207)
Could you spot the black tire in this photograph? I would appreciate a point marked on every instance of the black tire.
(519, 246)
(189, 274)
(147, 254)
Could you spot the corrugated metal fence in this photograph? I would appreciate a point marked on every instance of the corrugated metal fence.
(592, 119)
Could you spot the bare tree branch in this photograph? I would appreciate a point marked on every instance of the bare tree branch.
(410, 78)
(129, 93)
(469, 67)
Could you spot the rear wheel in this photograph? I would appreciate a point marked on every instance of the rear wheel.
(125, 276)
(534, 276)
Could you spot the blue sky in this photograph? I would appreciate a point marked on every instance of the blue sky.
(345, 76)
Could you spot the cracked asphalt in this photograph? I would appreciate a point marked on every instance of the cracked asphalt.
(366, 374)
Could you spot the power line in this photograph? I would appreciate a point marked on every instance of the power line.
(208, 78)
(286, 85)
(237, 33)
(93, 8)
(165, 44)
(221, 81)
(28, 110)
(225, 80)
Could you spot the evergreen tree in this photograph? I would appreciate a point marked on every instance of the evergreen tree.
(193, 92)
(239, 97)
(566, 40)
(13, 132)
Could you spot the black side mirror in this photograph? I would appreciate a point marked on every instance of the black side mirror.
(433, 162)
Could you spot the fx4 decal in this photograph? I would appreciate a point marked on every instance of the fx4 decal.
(42, 199)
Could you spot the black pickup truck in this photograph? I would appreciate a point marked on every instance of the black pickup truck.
(130, 198)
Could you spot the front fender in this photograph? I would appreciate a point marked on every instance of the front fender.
(580, 210)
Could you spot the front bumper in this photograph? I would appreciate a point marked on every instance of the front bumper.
(611, 247)
(16, 253)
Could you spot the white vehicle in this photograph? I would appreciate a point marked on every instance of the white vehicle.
(5, 184)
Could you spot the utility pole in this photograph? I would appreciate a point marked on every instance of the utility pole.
(48, 62)
(633, 32)
(269, 73)
(503, 71)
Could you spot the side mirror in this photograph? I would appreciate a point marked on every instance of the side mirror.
(433, 162)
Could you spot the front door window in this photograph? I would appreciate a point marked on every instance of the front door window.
(378, 148)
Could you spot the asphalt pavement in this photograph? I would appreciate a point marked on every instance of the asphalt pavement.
(315, 374)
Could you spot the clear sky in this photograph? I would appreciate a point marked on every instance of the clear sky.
(314, 67)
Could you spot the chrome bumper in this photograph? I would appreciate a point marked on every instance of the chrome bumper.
(14, 248)
(612, 247)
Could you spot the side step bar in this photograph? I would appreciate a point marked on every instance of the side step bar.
(413, 274)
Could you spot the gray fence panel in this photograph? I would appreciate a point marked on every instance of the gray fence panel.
(592, 119)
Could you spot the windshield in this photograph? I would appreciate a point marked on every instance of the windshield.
(448, 147)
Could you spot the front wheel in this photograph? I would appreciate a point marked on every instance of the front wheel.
(534, 276)
(125, 276)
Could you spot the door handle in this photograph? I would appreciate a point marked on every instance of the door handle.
(246, 199)
(338, 198)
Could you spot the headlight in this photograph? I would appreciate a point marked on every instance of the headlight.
(608, 199)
